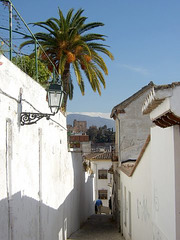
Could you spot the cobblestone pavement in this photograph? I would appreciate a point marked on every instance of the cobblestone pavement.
(98, 227)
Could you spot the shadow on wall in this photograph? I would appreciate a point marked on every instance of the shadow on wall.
(81, 204)
(23, 217)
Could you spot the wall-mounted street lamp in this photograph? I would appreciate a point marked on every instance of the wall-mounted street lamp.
(55, 96)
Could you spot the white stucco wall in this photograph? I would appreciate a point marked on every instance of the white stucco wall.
(154, 186)
(174, 100)
(170, 102)
(154, 189)
(163, 183)
(141, 198)
(177, 178)
(136, 224)
(44, 192)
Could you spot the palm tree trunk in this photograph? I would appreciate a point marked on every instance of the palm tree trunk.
(65, 82)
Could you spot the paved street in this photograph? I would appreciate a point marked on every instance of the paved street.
(98, 227)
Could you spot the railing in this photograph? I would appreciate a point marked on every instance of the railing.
(13, 30)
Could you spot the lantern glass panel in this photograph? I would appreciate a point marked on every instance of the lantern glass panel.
(62, 97)
(54, 100)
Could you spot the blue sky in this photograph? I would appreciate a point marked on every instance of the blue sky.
(143, 35)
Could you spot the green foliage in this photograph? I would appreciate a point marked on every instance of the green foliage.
(27, 65)
(101, 134)
(68, 43)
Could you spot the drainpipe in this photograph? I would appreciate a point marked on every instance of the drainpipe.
(118, 176)
(119, 137)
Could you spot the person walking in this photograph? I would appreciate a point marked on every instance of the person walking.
(98, 205)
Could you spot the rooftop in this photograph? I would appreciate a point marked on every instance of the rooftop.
(157, 95)
(129, 167)
(99, 156)
(120, 107)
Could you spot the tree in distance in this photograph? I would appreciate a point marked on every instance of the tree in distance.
(101, 134)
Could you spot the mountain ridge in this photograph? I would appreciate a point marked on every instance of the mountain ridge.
(91, 121)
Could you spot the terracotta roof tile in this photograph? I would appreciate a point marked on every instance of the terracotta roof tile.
(99, 156)
(168, 119)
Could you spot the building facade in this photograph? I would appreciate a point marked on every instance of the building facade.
(78, 127)
(103, 178)
(132, 130)
(149, 193)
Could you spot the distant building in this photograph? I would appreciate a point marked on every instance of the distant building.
(103, 178)
(78, 127)
(79, 138)
(80, 143)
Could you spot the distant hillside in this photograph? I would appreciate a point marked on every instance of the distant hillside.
(91, 121)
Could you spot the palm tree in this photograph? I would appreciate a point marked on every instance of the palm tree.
(68, 45)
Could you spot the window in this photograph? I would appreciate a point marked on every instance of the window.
(102, 194)
(102, 174)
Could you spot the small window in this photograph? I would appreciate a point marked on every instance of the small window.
(102, 194)
(102, 174)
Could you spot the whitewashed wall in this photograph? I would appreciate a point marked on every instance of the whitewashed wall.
(137, 207)
(43, 190)
(154, 187)
(177, 178)
(163, 183)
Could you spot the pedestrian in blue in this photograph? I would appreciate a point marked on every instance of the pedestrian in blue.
(98, 205)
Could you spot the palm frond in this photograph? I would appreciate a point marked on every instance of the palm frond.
(29, 42)
(78, 76)
(69, 16)
(44, 25)
(62, 21)
(62, 63)
(92, 37)
(90, 26)
(99, 61)
(75, 17)
(100, 48)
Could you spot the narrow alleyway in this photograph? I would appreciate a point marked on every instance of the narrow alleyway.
(98, 227)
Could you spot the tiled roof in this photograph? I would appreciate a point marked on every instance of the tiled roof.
(120, 107)
(157, 96)
(127, 168)
(99, 156)
(166, 86)
(168, 119)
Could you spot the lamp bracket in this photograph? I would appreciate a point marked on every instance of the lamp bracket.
(28, 118)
